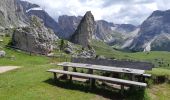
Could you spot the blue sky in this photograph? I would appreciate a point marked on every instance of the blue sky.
(116, 11)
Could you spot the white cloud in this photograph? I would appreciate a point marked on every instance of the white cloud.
(117, 11)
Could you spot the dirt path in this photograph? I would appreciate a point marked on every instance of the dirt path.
(4, 69)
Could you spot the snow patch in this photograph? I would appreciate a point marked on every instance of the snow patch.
(33, 9)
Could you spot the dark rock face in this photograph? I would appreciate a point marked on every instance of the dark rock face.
(68, 25)
(83, 34)
(151, 30)
(36, 38)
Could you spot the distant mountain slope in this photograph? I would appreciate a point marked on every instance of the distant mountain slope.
(35, 10)
(154, 33)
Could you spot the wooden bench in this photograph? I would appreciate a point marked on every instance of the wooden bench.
(102, 78)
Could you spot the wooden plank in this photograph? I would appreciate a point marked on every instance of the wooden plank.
(102, 68)
(109, 79)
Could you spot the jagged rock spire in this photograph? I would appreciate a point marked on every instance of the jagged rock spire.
(83, 34)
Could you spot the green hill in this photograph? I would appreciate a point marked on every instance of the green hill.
(32, 81)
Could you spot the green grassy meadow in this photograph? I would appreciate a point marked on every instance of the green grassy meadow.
(32, 82)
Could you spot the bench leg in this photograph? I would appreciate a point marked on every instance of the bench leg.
(90, 71)
(55, 76)
(143, 79)
(122, 90)
(70, 78)
(92, 83)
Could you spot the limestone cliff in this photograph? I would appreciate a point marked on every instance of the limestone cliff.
(11, 14)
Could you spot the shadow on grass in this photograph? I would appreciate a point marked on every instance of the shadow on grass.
(101, 90)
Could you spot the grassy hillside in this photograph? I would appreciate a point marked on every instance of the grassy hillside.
(32, 81)
(159, 58)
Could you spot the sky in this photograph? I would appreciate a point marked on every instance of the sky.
(116, 11)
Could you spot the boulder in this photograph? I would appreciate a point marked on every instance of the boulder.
(36, 38)
(2, 53)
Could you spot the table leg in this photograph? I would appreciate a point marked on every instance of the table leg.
(65, 68)
(74, 69)
(92, 83)
(133, 77)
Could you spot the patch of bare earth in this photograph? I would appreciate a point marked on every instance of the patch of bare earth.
(4, 69)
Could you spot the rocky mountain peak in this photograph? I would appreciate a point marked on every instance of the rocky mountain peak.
(86, 29)
(152, 28)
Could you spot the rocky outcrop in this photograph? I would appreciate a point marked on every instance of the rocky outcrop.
(86, 54)
(36, 38)
(155, 28)
(85, 31)
(12, 14)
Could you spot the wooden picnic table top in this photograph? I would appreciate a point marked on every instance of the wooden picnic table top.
(103, 68)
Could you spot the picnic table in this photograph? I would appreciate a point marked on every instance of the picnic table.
(102, 68)
(92, 77)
